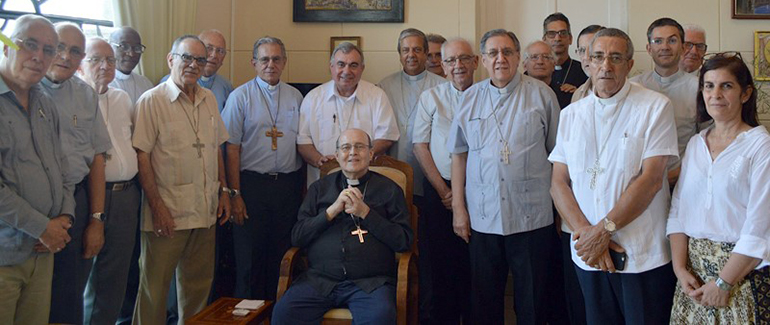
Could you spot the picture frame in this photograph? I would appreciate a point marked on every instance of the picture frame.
(363, 11)
(762, 55)
(336, 40)
(750, 9)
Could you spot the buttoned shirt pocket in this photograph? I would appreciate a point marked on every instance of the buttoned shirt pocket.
(483, 200)
(291, 119)
(82, 132)
(173, 135)
(327, 121)
(528, 129)
(528, 197)
(576, 157)
(631, 152)
(180, 200)
(475, 134)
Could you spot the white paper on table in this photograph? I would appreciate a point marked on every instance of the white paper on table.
(250, 304)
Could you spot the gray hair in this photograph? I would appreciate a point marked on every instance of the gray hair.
(268, 40)
(25, 21)
(180, 39)
(499, 32)
(452, 40)
(346, 47)
(412, 32)
(436, 38)
(694, 28)
(526, 49)
(614, 32)
(95, 40)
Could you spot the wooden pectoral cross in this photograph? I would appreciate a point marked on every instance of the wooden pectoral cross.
(360, 233)
(275, 134)
(198, 145)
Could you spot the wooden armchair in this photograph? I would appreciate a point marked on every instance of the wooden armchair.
(294, 261)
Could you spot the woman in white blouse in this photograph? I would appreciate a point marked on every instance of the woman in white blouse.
(719, 223)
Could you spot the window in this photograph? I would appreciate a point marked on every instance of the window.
(95, 17)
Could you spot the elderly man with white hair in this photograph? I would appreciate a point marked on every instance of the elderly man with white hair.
(539, 61)
(694, 48)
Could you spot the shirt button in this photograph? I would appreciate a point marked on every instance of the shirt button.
(503, 199)
(502, 179)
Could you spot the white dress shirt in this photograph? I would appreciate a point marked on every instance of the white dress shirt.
(506, 199)
(435, 112)
(324, 114)
(643, 128)
(403, 92)
(134, 84)
(117, 110)
(727, 199)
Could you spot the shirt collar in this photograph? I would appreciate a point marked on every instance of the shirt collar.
(667, 80)
(332, 92)
(509, 87)
(416, 77)
(3, 87)
(204, 78)
(51, 84)
(173, 92)
(263, 84)
(361, 181)
(121, 76)
(615, 99)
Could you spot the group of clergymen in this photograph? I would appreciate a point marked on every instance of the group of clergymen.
(95, 164)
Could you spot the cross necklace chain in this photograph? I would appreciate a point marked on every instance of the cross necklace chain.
(505, 152)
(410, 109)
(356, 220)
(338, 114)
(195, 127)
(273, 132)
(597, 169)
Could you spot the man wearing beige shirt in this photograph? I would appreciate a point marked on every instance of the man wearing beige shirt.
(177, 139)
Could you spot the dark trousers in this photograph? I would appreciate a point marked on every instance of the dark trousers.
(302, 304)
(272, 203)
(132, 281)
(448, 261)
(576, 308)
(556, 309)
(70, 269)
(621, 298)
(107, 282)
(525, 255)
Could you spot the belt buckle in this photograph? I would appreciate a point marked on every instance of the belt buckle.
(274, 175)
(119, 186)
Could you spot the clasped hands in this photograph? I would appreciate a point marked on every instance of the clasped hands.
(350, 200)
(593, 245)
(708, 295)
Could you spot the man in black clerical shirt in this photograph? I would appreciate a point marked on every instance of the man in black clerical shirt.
(351, 224)
(568, 73)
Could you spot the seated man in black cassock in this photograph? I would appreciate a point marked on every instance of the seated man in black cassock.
(351, 224)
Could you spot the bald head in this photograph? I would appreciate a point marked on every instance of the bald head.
(98, 69)
(539, 61)
(460, 62)
(354, 152)
(215, 50)
(72, 43)
(128, 43)
(24, 68)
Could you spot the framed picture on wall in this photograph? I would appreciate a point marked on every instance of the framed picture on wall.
(750, 9)
(762, 55)
(336, 40)
(364, 11)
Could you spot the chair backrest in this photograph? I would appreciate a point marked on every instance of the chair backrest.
(396, 170)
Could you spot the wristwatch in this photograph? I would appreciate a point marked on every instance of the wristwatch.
(98, 216)
(723, 285)
(225, 189)
(235, 192)
(609, 226)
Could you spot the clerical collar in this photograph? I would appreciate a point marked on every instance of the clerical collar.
(619, 96)
(204, 78)
(344, 181)
(557, 67)
(416, 77)
(508, 88)
(667, 80)
(264, 84)
(52, 84)
(121, 75)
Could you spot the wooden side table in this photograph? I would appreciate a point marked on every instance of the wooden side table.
(221, 313)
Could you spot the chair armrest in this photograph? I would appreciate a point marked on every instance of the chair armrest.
(288, 264)
(406, 289)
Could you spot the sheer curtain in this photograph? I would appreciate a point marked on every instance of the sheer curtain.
(159, 22)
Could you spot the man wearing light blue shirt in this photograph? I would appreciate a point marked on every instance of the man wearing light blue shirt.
(216, 51)
(500, 138)
(262, 118)
(85, 140)
(37, 204)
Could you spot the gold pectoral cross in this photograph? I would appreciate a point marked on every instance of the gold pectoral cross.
(505, 152)
(360, 233)
(198, 145)
(275, 134)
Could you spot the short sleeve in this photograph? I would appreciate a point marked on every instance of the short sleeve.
(754, 240)
(146, 130)
(233, 117)
(386, 127)
(423, 120)
(558, 154)
(304, 136)
(660, 136)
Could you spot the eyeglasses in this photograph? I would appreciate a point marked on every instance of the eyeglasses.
(580, 51)
(125, 47)
(464, 59)
(723, 55)
(99, 60)
(699, 46)
(358, 147)
(74, 51)
(553, 33)
(508, 52)
(218, 50)
(535, 57)
(188, 59)
(598, 58)
(416, 50)
(351, 65)
(32, 45)
(670, 41)
(265, 60)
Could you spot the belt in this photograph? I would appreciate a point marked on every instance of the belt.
(120, 186)
(273, 176)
